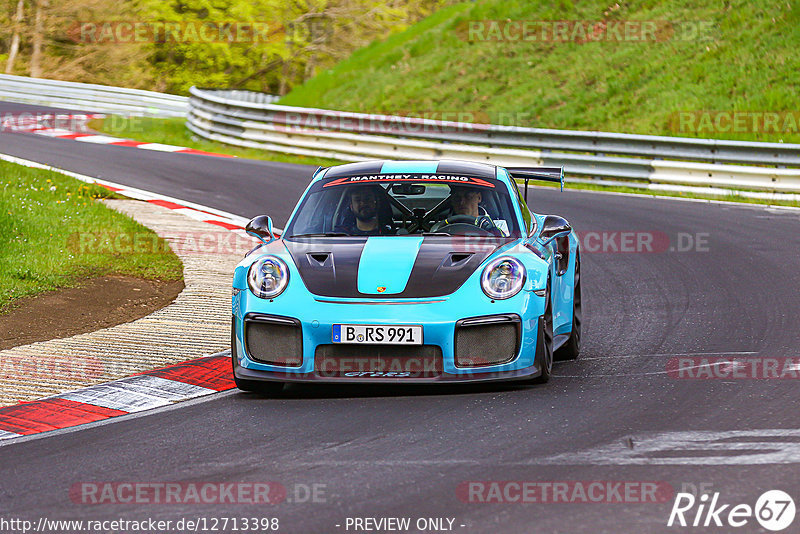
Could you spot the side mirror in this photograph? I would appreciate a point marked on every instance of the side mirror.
(261, 227)
(554, 227)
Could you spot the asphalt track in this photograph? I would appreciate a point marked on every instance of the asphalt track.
(614, 415)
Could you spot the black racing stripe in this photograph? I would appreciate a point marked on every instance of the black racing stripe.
(348, 169)
(329, 267)
(483, 170)
(336, 276)
(443, 264)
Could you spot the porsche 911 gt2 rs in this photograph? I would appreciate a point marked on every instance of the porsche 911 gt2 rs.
(408, 271)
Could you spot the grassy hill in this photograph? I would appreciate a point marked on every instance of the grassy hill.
(741, 56)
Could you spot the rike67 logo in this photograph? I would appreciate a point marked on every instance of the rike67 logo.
(774, 510)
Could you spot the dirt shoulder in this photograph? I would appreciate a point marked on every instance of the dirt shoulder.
(196, 323)
(97, 303)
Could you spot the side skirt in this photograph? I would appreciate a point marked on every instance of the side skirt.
(559, 340)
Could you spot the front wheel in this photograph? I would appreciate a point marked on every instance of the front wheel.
(544, 342)
(572, 348)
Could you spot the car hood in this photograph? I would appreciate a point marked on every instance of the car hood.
(389, 267)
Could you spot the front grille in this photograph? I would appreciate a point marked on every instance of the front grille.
(483, 341)
(400, 361)
(274, 340)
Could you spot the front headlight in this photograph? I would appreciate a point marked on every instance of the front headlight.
(268, 277)
(503, 278)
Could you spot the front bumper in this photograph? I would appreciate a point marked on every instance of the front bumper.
(438, 318)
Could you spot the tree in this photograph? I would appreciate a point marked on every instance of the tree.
(70, 54)
(15, 38)
(38, 39)
(292, 41)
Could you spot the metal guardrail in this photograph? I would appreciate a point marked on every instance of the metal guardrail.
(91, 97)
(244, 121)
(239, 95)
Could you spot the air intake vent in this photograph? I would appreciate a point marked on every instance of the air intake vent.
(482, 341)
(460, 257)
(457, 259)
(318, 258)
(274, 340)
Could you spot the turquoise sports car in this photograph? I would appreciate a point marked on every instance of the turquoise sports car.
(408, 272)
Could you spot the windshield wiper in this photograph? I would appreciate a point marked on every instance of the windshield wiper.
(326, 234)
(437, 233)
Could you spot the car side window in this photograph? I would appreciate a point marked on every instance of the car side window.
(530, 222)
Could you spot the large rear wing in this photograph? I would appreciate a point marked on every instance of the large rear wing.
(547, 174)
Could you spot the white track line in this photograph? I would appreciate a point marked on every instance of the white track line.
(136, 393)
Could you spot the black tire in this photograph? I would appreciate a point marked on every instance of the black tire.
(547, 352)
(253, 386)
(572, 348)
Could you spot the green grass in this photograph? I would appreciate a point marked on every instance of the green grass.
(746, 60)
(43, 215)
(174, 132)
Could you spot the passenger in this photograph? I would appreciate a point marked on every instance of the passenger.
(363, 204)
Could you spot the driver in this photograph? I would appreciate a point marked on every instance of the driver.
(465, 201)
(363, 204)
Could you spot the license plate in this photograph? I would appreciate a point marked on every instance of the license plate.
(377, 334)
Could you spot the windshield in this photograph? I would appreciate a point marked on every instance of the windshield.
(406, 204)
